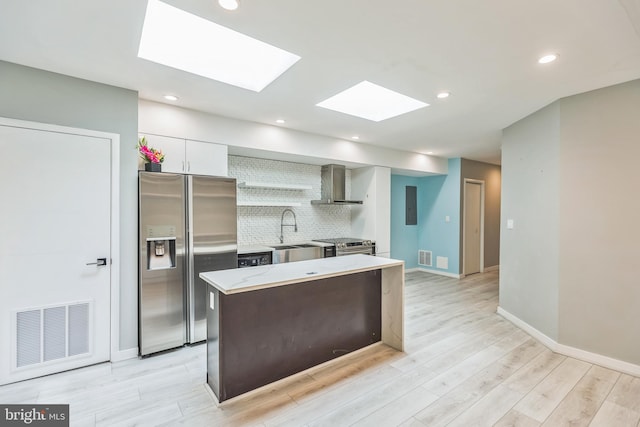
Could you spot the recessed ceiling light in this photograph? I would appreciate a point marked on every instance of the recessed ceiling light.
(280, 121)
(229, 4)
(178, 39)
(355, 137)
(372, 102)
(170, 97)
(443, 95)
(548, 58)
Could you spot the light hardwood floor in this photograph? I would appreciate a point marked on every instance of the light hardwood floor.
(463, 366)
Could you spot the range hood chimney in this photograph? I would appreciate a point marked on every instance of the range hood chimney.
(332, 187)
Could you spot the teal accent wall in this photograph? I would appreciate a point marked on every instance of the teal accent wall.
(404, 238)
(438, 197)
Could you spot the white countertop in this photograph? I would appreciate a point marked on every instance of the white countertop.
(266, 276)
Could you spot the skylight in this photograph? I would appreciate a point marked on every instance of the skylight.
(178, 39)
(372, 102)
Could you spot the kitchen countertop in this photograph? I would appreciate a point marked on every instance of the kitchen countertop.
(253, 249)
(266, 276)
(347, 303)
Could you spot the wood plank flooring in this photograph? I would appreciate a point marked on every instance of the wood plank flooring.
(464, 366)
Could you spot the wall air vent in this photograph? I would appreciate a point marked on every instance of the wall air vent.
(53, 333)
(425, 258)
(442, 262)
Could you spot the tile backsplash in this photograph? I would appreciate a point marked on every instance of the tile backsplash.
(261, 224)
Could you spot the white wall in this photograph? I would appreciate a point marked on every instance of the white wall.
(372, 219)
(569, 266)
(245, 138)
(261, 224)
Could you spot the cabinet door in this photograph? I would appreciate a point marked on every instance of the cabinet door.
(173, 149)
(205, 158)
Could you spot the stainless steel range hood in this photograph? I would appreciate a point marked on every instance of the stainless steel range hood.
(332, 187)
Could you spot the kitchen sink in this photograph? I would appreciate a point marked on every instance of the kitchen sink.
(283, 247)
(306, 245)
(291, 253)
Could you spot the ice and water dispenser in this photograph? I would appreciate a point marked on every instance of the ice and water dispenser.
(161, 247)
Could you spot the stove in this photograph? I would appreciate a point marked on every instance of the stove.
(349, 246)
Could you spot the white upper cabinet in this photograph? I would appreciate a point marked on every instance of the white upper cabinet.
(205, 158)
(191, 157)
(173, 150)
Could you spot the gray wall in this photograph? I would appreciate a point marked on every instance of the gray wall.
(490, 174)
(569, 267)
(529, 252)
(41, 96)
(599, 232)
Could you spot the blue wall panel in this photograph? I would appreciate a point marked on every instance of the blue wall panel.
(438, 197)
(404, 238)
(441, 198)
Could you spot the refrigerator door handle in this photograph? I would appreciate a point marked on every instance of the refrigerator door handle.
(190, 281)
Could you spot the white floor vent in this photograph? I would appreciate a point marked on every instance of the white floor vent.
(424, 258)
(51, 333)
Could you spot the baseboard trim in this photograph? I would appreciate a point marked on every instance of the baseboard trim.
(121, 355)
(492, 268)
(576, 353)
(599, 359)
(529, 329)
(441, 273)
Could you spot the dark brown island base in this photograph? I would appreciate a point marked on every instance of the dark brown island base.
(267, 323)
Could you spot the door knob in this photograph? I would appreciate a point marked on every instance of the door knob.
(99, 262)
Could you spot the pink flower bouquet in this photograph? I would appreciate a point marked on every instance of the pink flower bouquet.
(148, 154)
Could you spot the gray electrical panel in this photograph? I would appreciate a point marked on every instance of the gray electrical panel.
(411, 206)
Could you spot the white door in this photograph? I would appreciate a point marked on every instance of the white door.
(472, 227)
(55, 206)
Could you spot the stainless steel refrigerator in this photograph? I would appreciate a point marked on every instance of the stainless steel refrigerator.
(187, 224)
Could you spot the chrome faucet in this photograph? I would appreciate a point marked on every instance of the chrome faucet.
(282, 224)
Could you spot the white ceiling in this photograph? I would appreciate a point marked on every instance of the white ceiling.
(483, 51)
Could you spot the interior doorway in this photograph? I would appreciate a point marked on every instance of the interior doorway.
(57, 248)
(473, 227)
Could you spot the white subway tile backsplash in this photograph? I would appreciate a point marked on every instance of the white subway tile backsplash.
(261, 224)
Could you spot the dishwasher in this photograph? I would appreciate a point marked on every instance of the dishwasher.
(255, 259)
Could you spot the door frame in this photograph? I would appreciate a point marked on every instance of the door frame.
(114, 279)
(464, 222)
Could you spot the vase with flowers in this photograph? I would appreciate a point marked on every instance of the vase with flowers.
(152, 157)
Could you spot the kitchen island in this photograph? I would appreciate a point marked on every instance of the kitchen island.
(269, 322)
